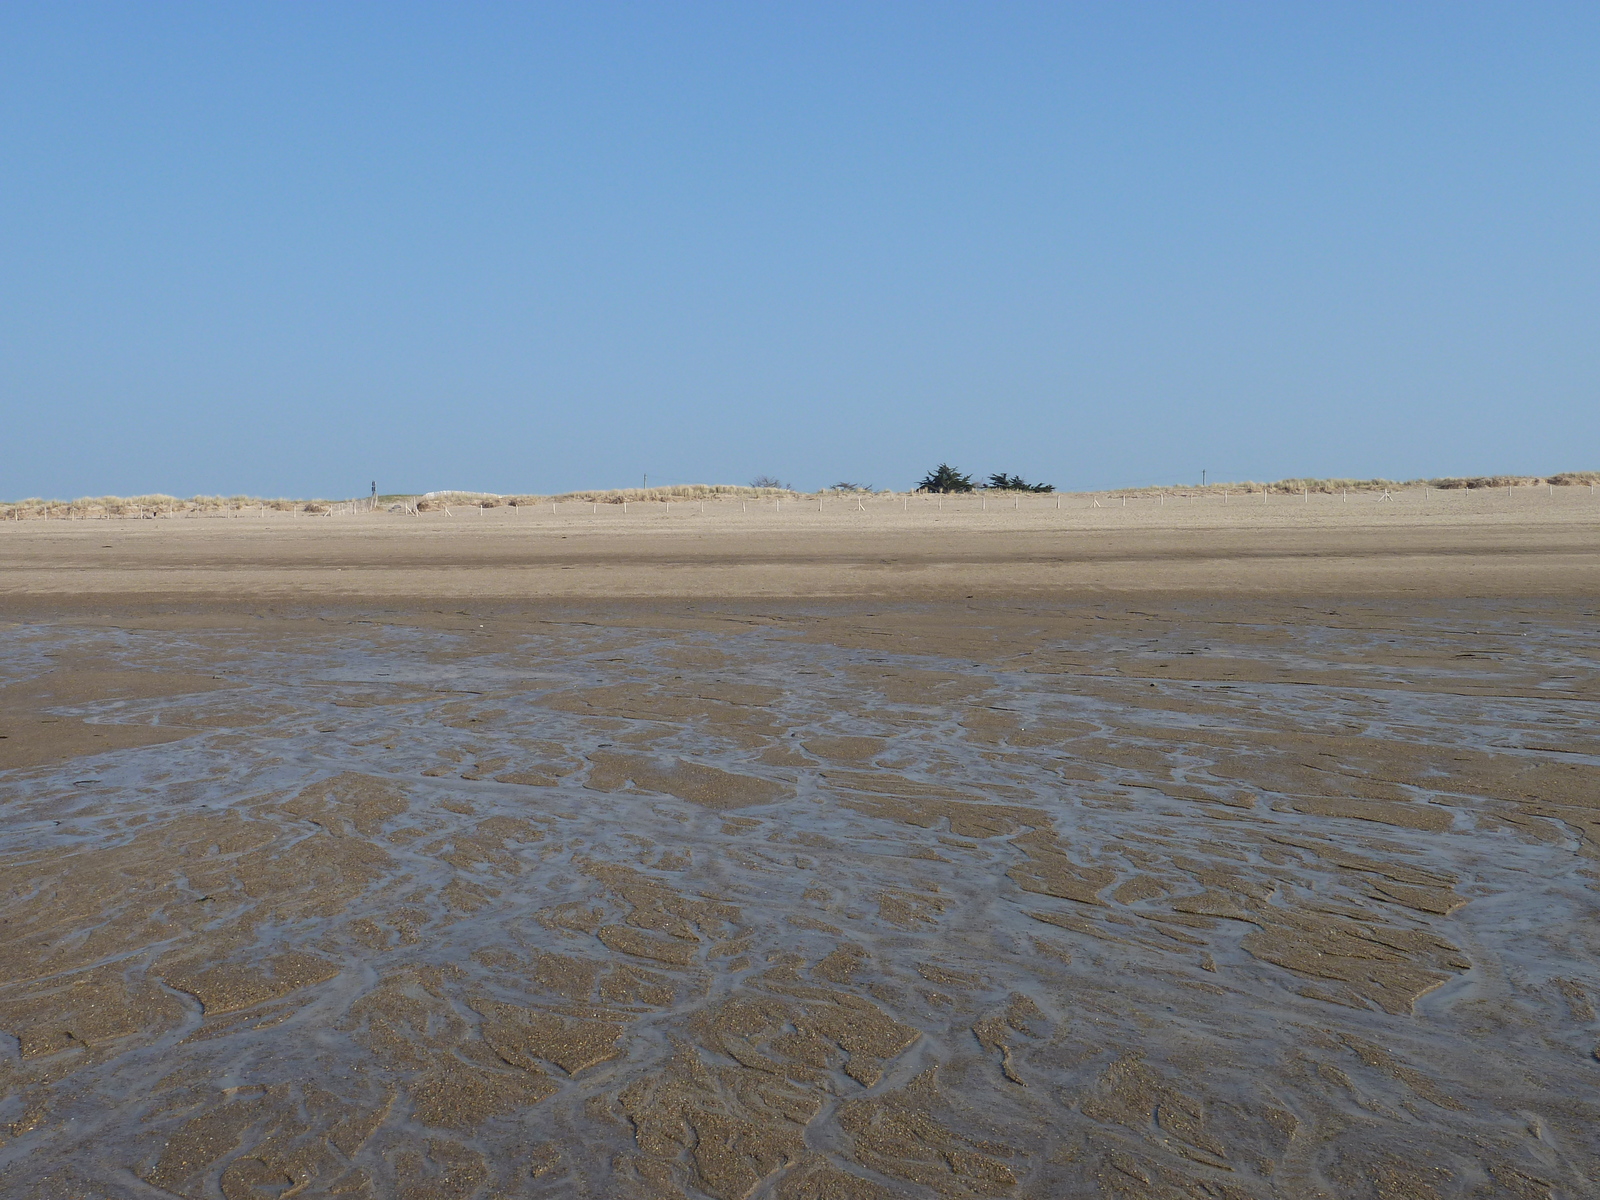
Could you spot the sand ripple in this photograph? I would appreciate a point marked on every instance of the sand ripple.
(832, 903)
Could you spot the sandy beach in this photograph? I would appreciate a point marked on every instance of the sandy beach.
(1158, 850)
(1531, 542)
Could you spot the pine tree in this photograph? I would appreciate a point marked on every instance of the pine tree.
(1016, 483)
(945, 478)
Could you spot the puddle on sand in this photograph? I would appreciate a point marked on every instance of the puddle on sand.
(1199, 908)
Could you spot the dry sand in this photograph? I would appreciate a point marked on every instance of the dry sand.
(1187, 851)
(1532, 542)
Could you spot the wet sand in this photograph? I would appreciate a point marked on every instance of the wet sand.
(1052, 853)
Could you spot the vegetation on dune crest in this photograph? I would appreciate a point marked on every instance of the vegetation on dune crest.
(945, 479)
(1297, 487)
(159, 505)
(675, 492)
(1016, 483)
(682, 491)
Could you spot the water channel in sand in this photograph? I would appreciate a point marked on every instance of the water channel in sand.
(833, 903)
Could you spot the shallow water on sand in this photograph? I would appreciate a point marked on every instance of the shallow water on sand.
(1177, 904)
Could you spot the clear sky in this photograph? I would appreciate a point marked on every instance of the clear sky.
(289, 248)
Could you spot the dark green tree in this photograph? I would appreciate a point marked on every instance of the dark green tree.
(945, 478)
(1016, 483)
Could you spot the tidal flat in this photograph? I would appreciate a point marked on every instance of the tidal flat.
(1164, 896)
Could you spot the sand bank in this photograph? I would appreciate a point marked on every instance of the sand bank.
(1458, 544)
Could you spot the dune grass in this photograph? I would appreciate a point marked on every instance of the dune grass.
(158, 505)
(1299, 486)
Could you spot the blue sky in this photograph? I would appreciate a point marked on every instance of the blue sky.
(288, 248)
